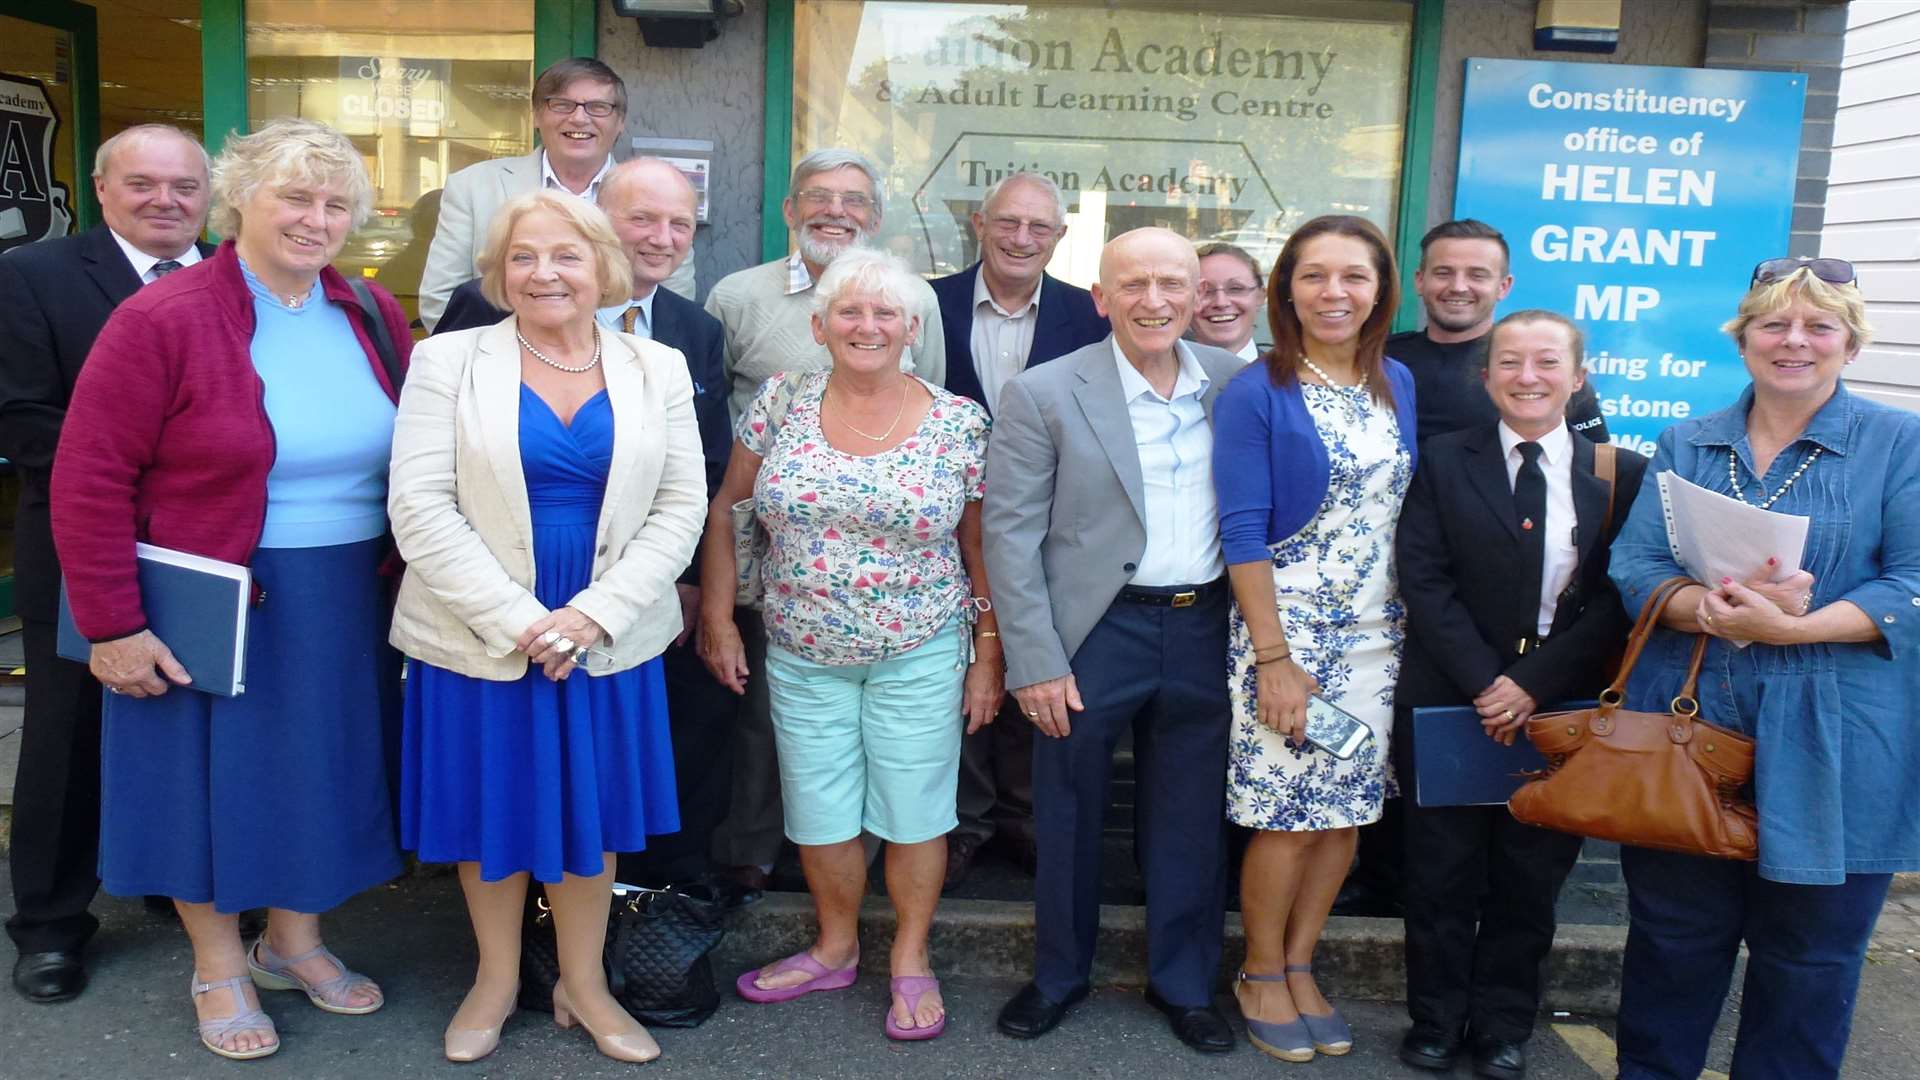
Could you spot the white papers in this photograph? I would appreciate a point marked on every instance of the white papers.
(1713, 537)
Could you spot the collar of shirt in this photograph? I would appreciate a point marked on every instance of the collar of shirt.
(799, 280)
(612, 315)
(1249, 352)
(1191, 380)
(143, 263)
(981, 295)
(552, 182)
(1556, 446)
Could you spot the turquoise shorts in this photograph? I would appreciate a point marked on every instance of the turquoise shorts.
(870, 746)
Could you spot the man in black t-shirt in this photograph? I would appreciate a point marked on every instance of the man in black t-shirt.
(1463, 275)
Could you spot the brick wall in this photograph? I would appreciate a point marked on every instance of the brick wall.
(1805, 36)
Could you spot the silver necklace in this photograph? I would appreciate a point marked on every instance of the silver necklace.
(897, 414)
(1733, 478)
(552, 363)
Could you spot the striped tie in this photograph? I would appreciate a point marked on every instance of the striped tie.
(628, 318)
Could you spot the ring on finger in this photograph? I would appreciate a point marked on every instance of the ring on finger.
(580, 655)
(565, 644)
(550, 637)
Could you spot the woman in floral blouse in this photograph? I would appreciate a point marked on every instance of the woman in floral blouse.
(881, 637)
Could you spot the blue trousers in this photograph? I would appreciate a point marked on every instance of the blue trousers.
(1163, 671)
(1805, 945)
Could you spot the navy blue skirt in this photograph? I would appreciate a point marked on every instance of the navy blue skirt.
(280, 797)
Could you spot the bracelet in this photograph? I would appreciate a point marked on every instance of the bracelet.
(1285, 650)
(1272, 660)
(987, 633)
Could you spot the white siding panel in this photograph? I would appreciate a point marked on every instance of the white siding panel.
(1873, 192)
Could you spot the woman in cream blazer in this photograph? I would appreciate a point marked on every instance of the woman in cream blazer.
(547, 487)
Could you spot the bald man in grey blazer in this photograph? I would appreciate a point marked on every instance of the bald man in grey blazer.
(1103, 546)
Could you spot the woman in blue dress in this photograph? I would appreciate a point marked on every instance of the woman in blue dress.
(522, 574)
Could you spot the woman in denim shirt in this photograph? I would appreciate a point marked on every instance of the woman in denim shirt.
(1827, 690)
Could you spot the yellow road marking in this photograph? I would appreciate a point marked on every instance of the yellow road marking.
(1594, 1047)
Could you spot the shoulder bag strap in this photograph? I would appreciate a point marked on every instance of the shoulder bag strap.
(1604, 469)
(377, 330)
(1643, 629)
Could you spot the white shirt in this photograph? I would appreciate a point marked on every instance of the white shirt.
(799, 278)
(143, 262)
(1175, 444)
(1249, 352)
(611, 317)
(551, 182)
(1001, 340)
(1561, 555)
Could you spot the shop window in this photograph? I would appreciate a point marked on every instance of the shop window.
(1237, 122)
(423, 90)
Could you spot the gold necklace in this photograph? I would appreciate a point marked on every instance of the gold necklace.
(897, 414)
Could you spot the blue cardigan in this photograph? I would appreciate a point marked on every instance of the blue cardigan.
(1270, 469)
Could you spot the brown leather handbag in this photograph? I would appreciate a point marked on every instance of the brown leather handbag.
(1670, 781)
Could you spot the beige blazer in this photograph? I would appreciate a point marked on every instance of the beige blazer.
(458, 502)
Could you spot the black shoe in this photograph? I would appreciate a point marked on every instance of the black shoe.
(1032, 1014)
(961, 849)
(1201, 1027)
(1425, 1048)
(1360, 899)
(160, 906)
(47, 977)
(1499, 1059)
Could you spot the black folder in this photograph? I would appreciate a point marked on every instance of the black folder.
(1456, 764)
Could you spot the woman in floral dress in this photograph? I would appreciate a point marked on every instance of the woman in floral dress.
(1321, 438)
(882, 645)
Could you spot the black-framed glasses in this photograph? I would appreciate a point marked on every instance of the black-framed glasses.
(1831, 271)
(560, 106)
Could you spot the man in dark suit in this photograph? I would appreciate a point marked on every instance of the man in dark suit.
(652, 208)
(1003, 315)
(152, 182)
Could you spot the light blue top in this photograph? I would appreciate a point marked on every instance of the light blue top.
(1837, 769)
(332, 423)
(611, 315)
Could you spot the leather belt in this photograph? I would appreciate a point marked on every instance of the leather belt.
(1176, 596)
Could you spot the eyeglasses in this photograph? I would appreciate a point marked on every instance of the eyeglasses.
(1236, 291)
(1831, 271)
(850, 200)
(560, 106)
(1040, 231)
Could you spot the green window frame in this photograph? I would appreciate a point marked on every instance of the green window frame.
(1410, 217)
(79, 21)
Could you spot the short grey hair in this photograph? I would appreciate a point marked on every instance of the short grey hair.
(869, 272)
(140, 133)
(830, 158)
(1040, 180)
(283, 152)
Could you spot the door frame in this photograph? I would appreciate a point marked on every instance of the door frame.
(80, 23)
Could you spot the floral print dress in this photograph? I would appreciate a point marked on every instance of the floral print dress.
(863, 562)
(1340, 605)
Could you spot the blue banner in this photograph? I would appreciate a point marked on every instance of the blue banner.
(1637, 201)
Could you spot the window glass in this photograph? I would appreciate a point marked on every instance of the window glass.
(1236, 123)
(423, 90)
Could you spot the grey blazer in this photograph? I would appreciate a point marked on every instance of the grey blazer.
(472, 196)
(1065, 512)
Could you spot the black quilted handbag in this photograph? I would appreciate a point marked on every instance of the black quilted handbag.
(658, 941)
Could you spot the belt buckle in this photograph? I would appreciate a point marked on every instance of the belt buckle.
(1185, 599)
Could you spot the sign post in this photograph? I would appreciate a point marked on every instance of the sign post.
(1637, 201)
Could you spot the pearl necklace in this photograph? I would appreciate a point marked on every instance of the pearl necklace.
(1328, 379)
(552, 363)
(1733, 478)
(897, 414)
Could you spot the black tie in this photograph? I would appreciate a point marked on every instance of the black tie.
(164, 267)
(1530, 506)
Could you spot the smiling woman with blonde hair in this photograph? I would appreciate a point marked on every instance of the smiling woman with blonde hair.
(239, 409)
(547, 489)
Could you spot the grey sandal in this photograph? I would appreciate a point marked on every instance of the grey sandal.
(1331, 1033)
(1289, 1041)
(214, 1031)
(274, 973)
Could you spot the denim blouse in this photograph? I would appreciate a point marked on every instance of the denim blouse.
(1837, 769)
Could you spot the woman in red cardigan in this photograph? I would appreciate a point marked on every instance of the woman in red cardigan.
(239, 410)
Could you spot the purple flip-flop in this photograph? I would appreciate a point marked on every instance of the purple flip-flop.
(822, 979)
(911, 989)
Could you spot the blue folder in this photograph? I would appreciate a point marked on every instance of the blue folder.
(1455, 764)
(196, 606)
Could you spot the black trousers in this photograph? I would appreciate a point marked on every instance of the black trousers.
(56, 801)
(1480, 894)
(700, 715)
(1155, 670)
(995, 794)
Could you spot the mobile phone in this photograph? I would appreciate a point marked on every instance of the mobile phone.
(1335, 730)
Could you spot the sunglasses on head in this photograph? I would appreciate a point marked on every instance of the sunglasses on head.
(1831, 271)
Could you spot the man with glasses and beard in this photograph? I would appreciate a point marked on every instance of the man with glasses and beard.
(834, 204)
